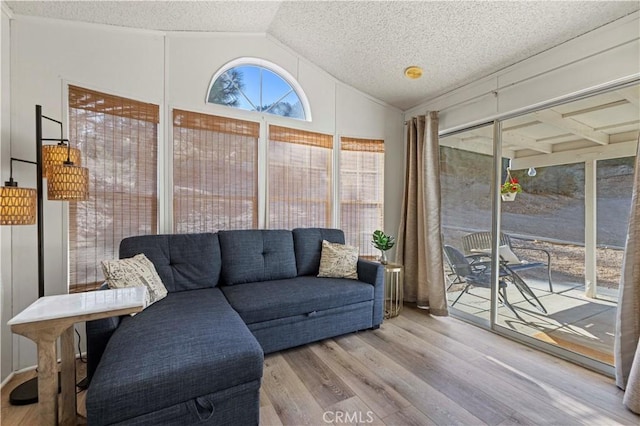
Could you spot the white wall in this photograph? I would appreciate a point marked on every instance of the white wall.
(172, 70)
(353, 118)
(605, 55)
(45, 55)
(336, 108)
(6, 296)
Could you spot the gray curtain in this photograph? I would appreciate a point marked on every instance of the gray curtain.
(419, 246)
(627, 345)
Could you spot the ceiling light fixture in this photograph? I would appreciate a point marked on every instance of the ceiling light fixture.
(413, 72)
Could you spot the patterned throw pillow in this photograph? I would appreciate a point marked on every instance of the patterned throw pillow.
(135, 272)
(508, 256)
(338, 261)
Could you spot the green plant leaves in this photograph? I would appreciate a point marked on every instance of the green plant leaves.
(381, 241)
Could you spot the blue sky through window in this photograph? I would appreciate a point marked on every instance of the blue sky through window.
(273, 87)
(251, 86)
(255, 88)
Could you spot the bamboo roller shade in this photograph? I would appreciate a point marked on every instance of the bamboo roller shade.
(91, 100)
(118, 138)
(368, 145)
(214, 123)
(214, 172)
(300, 137)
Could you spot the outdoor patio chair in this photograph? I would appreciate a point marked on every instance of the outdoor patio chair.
(512, 277)
(470, 275)
(476, 265)
(480, 242)
(475, 274)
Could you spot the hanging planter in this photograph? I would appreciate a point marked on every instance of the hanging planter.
(510, 188)
(509, 196)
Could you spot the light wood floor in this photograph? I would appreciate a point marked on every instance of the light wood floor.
(421, 370)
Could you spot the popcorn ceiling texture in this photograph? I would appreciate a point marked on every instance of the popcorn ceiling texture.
(224, 16)
(368, 44)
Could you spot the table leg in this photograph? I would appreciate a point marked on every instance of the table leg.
(68, 378)
(47, 383)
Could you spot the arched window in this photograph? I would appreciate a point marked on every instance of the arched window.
(257, 85)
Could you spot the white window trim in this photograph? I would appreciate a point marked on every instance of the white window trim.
(284, 74)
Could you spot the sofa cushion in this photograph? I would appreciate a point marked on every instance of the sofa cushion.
(185, 346)
(257, 255)
(265, 301)
(183, 261)
(308, 247)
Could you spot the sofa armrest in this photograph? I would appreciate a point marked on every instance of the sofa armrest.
(373, 273)
(98, 334)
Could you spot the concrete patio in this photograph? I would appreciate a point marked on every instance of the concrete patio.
(573, 321)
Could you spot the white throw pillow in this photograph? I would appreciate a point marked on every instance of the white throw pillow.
(136, 271)
(338, 261)
(508, 256)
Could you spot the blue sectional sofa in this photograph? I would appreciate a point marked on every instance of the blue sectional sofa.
(196, 356)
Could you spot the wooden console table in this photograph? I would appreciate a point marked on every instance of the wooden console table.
(51, 317)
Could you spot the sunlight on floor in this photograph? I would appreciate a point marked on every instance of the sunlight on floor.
(573, 321)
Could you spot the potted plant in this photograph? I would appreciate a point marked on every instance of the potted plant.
(510, 188)
(382, 242)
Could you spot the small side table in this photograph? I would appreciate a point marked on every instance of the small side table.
(393, 289)
(51, 317)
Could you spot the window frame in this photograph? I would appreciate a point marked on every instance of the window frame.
(330, 209)
(212, 116)
(156, 197)
(276, 69)
(365, 252)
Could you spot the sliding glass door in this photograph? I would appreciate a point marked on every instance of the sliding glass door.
(568, 225)
(560, 209)
(466, 165)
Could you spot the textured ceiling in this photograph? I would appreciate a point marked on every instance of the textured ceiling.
(233, 16)
(367, 44)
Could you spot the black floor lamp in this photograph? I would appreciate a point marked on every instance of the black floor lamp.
(66, 181)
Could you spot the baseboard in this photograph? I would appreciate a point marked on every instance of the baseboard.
(5, 381)
(31, 368)
(25, 369)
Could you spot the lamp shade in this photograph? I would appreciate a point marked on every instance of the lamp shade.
(68, 182)
(55, 155)
(17, 206)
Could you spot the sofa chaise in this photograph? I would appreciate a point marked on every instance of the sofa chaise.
(196, 356)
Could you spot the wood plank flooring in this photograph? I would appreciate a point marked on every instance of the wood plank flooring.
(420, 370)
(26, 415)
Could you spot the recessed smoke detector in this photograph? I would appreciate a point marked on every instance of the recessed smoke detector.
(413, 72)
